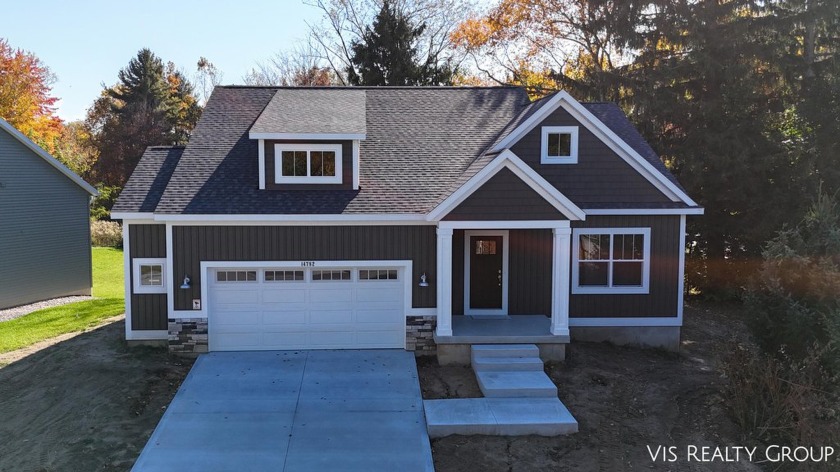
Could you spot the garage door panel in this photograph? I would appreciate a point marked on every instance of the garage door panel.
(310, 314)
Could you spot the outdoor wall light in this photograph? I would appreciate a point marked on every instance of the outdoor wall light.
(424, 281)
(186, 284)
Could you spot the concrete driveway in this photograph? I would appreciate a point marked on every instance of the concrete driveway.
(294, 411)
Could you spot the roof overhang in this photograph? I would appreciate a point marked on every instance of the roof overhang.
(47, 157)
(508, 160)
(602, 132)
(307, 136)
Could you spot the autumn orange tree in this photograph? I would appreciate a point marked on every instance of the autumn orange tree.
(26, 101)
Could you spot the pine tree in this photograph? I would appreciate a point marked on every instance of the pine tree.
(387, 54)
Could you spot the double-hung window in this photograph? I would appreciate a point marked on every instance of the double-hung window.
(149, 275)
(611, 260)
(307, 163)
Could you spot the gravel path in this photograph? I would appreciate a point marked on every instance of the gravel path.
(12, 313)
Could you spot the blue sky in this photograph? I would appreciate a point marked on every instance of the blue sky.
(85, 43)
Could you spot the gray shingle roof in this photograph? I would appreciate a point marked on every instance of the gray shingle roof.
(314, 111)
(421, 144)
(143, 190)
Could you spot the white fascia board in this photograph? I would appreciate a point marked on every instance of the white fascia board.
(507, 159)
(47, 157)
(310, 220)
(307, 136)
(645, 211)
(625, 322)
(605, 134)
(507, 224)
(132, 216)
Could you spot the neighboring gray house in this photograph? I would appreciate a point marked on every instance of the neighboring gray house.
(44, 224)
(407, 217)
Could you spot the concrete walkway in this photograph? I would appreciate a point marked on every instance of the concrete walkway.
(294, 411)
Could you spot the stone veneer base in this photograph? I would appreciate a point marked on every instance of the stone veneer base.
(419, 335)
(188, 335)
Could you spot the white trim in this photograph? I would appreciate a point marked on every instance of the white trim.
(645, 211)
(620, 290)
(602, 131)
(145, 334)
(375, 219)
(47, 157)
(637, 322)
(681, 280)
(572, 158)
(127, 278)
(505, 234)
(261, 162)
(422, 312)
(507, 159)
(356, 163)
(170, 288)
(136, 263)
(560, 283)
(308, 136)
(444, 281)
(279, 178)
(510, 224)
(135, 218)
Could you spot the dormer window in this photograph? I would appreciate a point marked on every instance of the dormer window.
(559, 145)
(307, 163)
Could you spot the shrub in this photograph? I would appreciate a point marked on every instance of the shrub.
(100, 209)
(105, 233)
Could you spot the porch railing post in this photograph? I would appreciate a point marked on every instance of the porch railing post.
(444, 282)
(561, 256)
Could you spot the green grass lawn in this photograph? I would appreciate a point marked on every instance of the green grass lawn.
(50, 322)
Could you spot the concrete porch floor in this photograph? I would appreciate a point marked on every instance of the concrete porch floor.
(513, 329)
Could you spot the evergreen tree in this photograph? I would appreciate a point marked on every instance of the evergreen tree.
(387, 54)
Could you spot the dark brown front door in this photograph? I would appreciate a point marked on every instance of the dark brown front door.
(486, 272)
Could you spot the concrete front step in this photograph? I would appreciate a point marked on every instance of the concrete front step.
(498, 416)
(504, 350)
(480, 363)
(515, 384)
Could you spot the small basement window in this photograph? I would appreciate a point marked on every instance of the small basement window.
(559, 145)
(307, 163)
(614, 261)
(149, 275)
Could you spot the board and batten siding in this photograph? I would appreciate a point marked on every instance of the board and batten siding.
(44, 229)
(600, 175)
(148, 310)
(193, 244)
(504, 197)
(662, 299)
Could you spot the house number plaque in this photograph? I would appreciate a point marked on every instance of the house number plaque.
(307, 264)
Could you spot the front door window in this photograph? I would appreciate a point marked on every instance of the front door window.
(486, 272)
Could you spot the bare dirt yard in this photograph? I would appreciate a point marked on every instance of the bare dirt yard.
(624, 400)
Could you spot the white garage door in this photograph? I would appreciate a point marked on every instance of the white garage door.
(275, 308)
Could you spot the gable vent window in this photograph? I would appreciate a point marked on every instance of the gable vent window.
(307, 163)
(615, 260)
(559, 145)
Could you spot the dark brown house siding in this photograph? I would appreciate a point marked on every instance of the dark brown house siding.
(664, 271)
(148, 311)
(600, 175)
(193, 244)
(504, 197)
(346, 167)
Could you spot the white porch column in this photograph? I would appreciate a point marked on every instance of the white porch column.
(444, 282)
(561, 257)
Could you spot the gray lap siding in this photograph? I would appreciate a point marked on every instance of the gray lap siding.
(193, 244)
(148, 311)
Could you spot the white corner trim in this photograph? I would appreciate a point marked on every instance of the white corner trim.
(127, 278)
(356, 163)
(507, 159)
(308, 179)
(308, 136)
(572, 158)
(605, 134)
(609, 290)
(468, 310)
(170, 287)
(626, 322)
(645, 211)
(47, 157)
(261, 162)
(136, 263)
(681, 281)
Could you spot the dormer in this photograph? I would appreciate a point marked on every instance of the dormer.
(309, 139)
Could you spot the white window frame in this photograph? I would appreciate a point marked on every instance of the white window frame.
(136, 263)
(618, 290)
(573, 148)
(308, 179)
